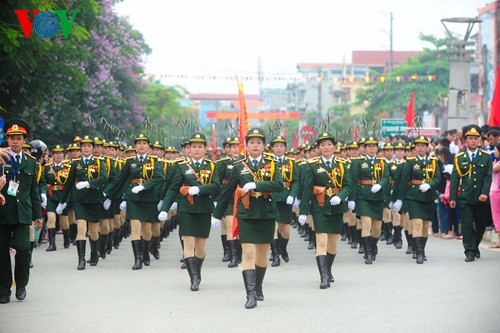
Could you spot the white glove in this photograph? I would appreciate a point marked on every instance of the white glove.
(351, 205)
(60, 208)
(302, 219)
(296, 203)
(376, 188)
(44, 200)
(391, 205)
(163, 216)
(174, 206)
(215, 204)
(249, 186)
(123, 205)
(106, 204)
(194, 190)
(289, 200)
(159, 205)
(397, 205)
(424, 188)
(215, 222)
(335, 200)
(81, 185)
(137, 189)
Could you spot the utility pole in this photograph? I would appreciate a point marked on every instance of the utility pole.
(259, 74)
(320, 93)
(391, 52)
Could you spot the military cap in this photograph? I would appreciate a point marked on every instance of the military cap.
(74, 146)
(98, 141)
(421, 139)
(471, 130)
(26, 145)
(16, 126)
(292, 151)
(234, 141)
(141, 137)
(77, 139)
(87, 139)
(170, 149)
(157, 144)
(324, 136)
(302, 147)
(388, 146)
(57, 148)
(370, 141)
(105, 143)
(352, 145)
(399, 145)
(255, 133)
(129, 148)
(277, 139)
(227, 141)
(198, 137)
(185, 142)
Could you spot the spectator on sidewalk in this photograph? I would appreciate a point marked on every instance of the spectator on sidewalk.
(495, 194)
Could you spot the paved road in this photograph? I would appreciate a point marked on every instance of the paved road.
(394, 294)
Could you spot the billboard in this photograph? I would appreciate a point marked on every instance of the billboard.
(487, 49)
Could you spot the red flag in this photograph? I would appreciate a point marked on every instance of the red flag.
(243, 127)
(494, 118)
(410, 111)
(214, 142)
(242, 132)
(295, 139)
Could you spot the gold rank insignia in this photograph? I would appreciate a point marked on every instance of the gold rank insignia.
(364, 165)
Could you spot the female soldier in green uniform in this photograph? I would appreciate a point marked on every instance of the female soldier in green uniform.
(138, 180)
(89, 176)
(257, 177)
(326, 187)
(284, 199)
(370, 175)
(56, 175)
(417, 185)
(197, 180)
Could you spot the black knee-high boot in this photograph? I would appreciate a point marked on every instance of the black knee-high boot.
(192, 269)
(312, 240)
(398, 240)
(361, 242)
(383, 231)
(368, 250)
(354, 237)
(331, 259)
(322, 262)
(424, 243)
(409, 237)
(225, 248)
(109, 242)
(344, 232)
(199, 264)
(374, 242)
(283, 243)
(419, 249)
(275, 253)
(80, 248)
(73, 230)
(65, 238)
(52, 240)
(249, 279)
(94, 257)
(155, 241)
(137, 248)
(116, 238)
(260, 272)
(389, 238)
(103, 241)
(146, 260)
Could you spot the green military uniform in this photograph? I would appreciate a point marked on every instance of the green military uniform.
(366, 172)
(257, 222)
(56, 176)
(336, 182)
(471, 178)
(291, 181)
(22, 206)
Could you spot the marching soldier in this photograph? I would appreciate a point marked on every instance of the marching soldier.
(225, 167)
(470, 186)
(19, 206)
(197, 180)
(56, 176)
(388, 152)
(354, 233)
(257, 177)
(419, 179)
(370, 176)
(326, 187)
(89, 176)
(284, 200)
(394, 172)
(138, 180)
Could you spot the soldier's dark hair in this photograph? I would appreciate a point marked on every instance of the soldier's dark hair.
(493, 132)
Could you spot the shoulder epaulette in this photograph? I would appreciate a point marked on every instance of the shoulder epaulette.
(485, 151)
(238, 161)
(313, 160)
(30, 156)
(49, 164)
(129, 158)
(268, 154)
(222, 159)
(411, 158)
(355, 158)
(207, 160)
(340, 159)
(459, 154)
(66, 161)
(183, 162)
(433, 158)
(100, 158)
(75, 159)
